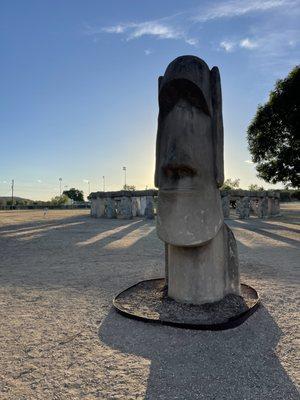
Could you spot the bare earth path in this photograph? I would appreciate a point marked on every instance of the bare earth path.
(60, 338)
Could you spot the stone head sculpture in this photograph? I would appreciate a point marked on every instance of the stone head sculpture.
(189, 152)
(189, 172)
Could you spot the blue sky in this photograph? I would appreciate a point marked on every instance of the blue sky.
(78, 83)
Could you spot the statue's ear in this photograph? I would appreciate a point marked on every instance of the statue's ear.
(160, 78)
(217, 119)
(157, 166)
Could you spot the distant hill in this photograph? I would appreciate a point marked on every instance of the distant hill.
(7, 198)
(6, 201)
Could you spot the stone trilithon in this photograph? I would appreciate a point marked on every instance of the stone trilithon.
(201, 253)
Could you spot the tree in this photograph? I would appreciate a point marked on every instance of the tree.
(59, 200)
(231, 184)
(74, 194)
(274, 133)
(255, 188)
(129, 187)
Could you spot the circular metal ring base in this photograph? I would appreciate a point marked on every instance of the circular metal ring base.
(148, 301)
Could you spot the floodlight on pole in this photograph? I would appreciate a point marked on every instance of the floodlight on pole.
(124, 169)
(12, 193)
(60, 180)
(103, 178)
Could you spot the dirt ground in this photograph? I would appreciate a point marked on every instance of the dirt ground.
(61, 339)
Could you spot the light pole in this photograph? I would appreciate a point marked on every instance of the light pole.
(60, 180)
(124, 169)
(12, 193)
(103, 178)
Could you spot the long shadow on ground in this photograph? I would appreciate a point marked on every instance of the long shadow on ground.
(187, 365)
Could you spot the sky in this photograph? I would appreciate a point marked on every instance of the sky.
(78, 83)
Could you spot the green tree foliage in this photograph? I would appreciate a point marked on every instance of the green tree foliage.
(255, 188)
(231, 184)
(74, 194)
(129, 187)
(274, 133)
(59, 200)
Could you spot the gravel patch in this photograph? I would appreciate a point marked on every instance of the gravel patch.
(149, 300)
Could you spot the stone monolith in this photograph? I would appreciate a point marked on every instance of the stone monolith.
(202, 261)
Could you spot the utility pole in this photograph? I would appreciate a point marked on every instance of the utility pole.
(60, 179)
(12, 193)
(124, 169)
(103, 178)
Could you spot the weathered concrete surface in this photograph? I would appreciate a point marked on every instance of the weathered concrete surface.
(189, 172)
(214, 268)
(110, 209)
(139, 201)
(226, 206)
(243, 207)
(149, 210)
(189, 153)
(136, 206)
(60, 338)
(262, 211)
(124, 207)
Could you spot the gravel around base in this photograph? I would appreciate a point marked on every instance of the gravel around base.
(149, 300)
(60, 338)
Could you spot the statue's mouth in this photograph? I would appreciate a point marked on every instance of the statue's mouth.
(170, 190)
(178, 171)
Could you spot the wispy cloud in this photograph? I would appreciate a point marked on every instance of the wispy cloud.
(183, 25)
(274, 52)
(248, 44)
(192, 41)
(162, 29)
(114, 29)
(227, 45)
(154, 28)
(231, 45)
(235, 8)
(148, 52)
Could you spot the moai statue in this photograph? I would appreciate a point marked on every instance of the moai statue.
(202, 261)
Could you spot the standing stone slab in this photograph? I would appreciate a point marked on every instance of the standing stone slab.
(262, 210)
(149, 210)
(110, 208)
(124, 207)
(93, 209)
(135, 205)
(226, 205)
(143, 204)
(243, 208)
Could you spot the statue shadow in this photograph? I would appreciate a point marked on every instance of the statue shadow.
(234, 364)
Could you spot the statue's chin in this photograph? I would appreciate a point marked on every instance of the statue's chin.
(187, 217)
